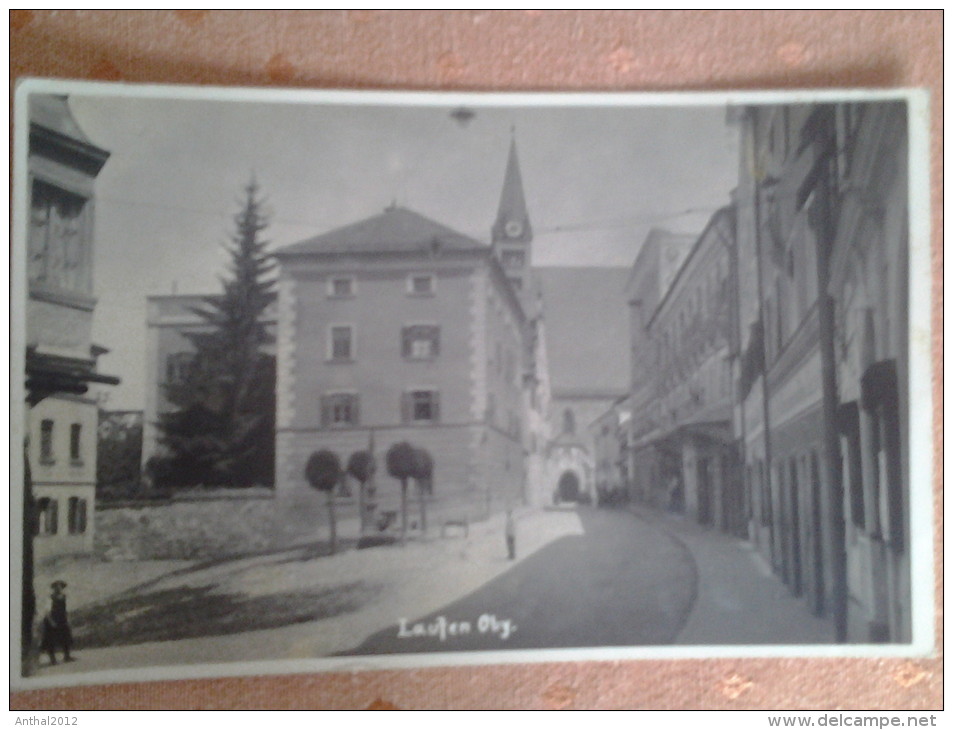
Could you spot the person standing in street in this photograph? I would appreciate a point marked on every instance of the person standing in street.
(510, 535)
(56, 629)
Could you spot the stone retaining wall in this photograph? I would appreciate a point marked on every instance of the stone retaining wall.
(213, 528)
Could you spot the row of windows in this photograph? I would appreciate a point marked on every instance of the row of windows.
(47, 444)
(57, 245)
(703, 304)
(46, 518)
(420, 285)
(344, 409)
(417, 342)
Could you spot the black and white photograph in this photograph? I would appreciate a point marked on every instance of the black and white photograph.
(308, 381)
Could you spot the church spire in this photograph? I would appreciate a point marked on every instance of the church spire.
(512, 219)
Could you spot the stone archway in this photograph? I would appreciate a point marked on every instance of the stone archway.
(568, 489)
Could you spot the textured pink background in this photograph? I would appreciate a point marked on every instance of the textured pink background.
(522, 50)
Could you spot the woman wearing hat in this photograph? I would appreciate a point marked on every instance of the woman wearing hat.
(56, 629)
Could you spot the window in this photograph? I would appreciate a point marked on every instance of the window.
(56, 246)
(420, 342)
(569, 422)
(421, 285)
(341, 287)
(340, 409)
(513, 259)
(75, 443)
(419, 406)
(342, 343)
(178, 367)
(76, 518)
(46, 441)
(46, 518)
(848, 418)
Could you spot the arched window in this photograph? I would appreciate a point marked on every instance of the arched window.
(569, 421)
(46, 518)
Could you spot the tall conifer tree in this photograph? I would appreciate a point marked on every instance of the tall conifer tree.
(222, 429)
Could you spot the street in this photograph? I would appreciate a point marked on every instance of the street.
(623, 582)
(583, 577)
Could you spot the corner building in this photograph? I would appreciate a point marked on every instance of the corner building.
(61, 358)
(400, 326)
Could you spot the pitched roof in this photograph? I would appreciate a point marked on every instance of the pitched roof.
(394, 230)
(587, 327)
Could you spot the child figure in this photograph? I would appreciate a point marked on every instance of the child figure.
(56, 628)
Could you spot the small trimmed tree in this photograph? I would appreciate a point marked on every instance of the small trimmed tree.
(361, 465)
(423, 477)
(323, 472)
(400, 465)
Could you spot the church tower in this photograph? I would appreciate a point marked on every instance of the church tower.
(512, 233)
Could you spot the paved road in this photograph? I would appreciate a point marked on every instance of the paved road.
(624, 582)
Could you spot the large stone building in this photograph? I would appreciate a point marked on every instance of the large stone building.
(586, 318)
(577, 348)
(823, 218)
(61, 358)
(400, 326)
(655, 266)
(683, 442)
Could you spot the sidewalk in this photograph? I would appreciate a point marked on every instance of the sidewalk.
(739, 600)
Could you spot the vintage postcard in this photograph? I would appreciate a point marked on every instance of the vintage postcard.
(307, 381)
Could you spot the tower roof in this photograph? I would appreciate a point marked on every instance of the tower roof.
(52, 111)
(512, 203)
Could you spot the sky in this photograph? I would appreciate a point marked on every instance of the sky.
(596, 180)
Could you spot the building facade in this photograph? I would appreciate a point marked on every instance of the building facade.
(690, 454)
(400, 326)
(823, 190)
(584, 310)
(659, 259)
(454, 302)
(61, 359)
(610, 434)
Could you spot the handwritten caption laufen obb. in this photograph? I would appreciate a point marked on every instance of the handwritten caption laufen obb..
(442, 628)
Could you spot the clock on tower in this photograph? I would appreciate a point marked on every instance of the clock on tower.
(513, 229)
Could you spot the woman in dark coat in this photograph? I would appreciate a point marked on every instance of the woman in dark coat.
(56, 629)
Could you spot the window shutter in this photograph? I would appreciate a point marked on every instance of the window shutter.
(355, 410)
(405, 406)
(81, 522)
(71, 516)
(436, 406)
(52, 517)
(435, 336)
(325, 410)
(405, 336)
